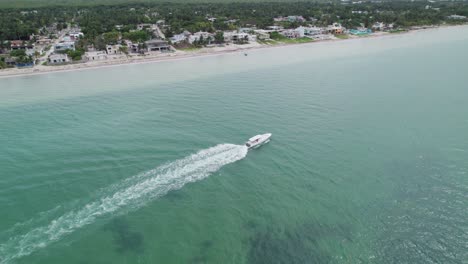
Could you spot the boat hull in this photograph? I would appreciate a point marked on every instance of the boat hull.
(258, 140)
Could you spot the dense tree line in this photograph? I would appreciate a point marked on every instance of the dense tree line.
(99, 19)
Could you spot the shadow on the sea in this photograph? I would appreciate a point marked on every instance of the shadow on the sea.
(174, 196)
(294, 245)
(125, 239)
(205, 246)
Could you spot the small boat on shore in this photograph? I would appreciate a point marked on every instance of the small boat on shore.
(258, 140)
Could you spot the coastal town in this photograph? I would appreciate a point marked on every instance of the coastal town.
(73, 43)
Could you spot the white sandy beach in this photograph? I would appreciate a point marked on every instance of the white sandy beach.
(177, 55)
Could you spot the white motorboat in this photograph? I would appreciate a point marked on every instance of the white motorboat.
(258, 140)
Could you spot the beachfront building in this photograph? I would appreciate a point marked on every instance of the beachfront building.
(314, 31)
(95, 56)
(179, 38)
(262, 34)
(157, 45)
(293, 33)
(336, 29)
(237, 37)
(360, 31)
(200, 35)
(378, 26)
(58, 59)
(64, 46)
(113, 49)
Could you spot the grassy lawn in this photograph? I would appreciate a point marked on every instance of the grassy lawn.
(396, 31)
(342, 36)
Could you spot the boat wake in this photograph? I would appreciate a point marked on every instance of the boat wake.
(129, 194)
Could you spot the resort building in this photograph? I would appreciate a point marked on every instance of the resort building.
(58, 59)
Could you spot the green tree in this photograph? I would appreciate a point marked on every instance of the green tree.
(219, 37)
(111, 37)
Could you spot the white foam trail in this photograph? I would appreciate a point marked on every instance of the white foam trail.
(129, 194)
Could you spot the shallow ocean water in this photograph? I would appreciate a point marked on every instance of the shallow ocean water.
(145, 163)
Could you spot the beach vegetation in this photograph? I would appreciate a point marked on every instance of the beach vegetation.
(3, 64)
(75, 55)
(219, 37)
(341, 36)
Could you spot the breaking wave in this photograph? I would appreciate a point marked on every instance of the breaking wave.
(129, 194)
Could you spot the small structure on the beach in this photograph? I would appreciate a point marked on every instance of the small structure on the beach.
(58, 59)
(157, 45)
(95, 55)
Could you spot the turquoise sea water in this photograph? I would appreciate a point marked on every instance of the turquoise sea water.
(145, 163)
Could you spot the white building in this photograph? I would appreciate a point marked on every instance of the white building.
(456, 17)
(199, 35)
(180, 37)
(292, 33)
(274, 28)
(95, 55)
(113, 49)
(314, 31)
(379, 26)
(76, 35)
(58, 59)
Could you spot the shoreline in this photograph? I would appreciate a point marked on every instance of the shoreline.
(182, 55)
